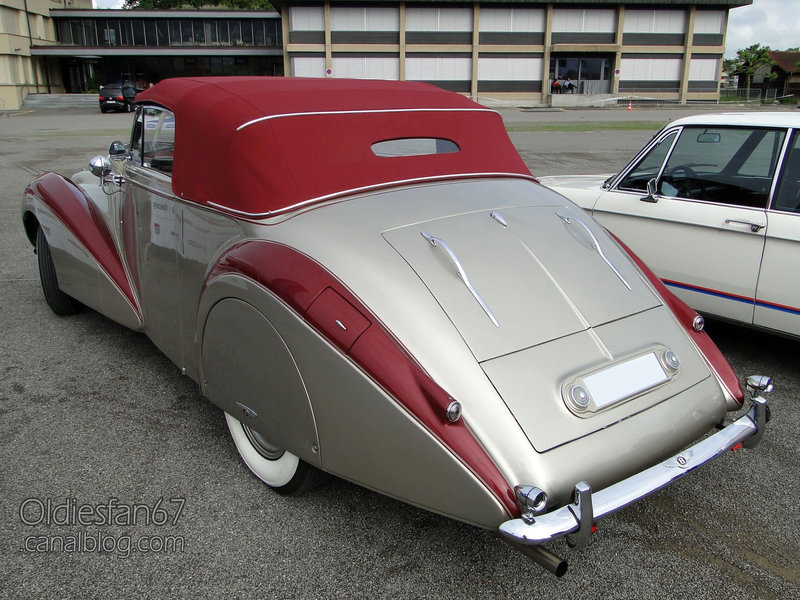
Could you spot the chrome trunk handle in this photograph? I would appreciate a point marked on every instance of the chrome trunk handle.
(595, 245)
(462, 274)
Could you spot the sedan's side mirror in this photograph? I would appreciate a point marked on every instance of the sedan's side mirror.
(100, 166)
(652, 191)
(117, 150)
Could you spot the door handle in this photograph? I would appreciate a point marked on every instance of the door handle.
(754, 227)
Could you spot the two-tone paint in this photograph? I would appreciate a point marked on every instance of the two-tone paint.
(337, 331)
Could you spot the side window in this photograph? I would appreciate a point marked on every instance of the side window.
(788, 195)
(727, 165)
(649, 167)
(153, 138)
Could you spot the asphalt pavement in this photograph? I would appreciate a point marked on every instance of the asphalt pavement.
(119, 479)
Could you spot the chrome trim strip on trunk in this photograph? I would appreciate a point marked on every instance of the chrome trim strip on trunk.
(462, 274)
(595, 246)
(573, 518)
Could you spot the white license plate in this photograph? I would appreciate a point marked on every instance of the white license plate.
(625, 380)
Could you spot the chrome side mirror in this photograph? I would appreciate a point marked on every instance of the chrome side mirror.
(652, 190)
(100, 166)
(117, 150)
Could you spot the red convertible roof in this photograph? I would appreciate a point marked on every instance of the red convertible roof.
(259, 145)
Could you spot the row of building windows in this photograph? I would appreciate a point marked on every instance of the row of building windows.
(507, 68)
(512, 20)
(170, 32)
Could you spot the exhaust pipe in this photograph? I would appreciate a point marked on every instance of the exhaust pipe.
(542, 557)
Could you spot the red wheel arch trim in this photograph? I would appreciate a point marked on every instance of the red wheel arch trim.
(81, 217)
(298, 280)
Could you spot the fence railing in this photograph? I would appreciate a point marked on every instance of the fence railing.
(740, 96)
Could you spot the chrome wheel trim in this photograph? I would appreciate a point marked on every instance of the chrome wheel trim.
(261, 445)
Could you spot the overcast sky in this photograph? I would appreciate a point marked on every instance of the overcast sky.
(773, 23)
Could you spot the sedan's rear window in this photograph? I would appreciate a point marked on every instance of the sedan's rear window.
(414, 147)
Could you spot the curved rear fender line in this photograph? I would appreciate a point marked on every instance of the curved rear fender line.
(80, 217)
(297, 280)
(734, 396)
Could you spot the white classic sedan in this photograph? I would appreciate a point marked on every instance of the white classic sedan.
(712, 205)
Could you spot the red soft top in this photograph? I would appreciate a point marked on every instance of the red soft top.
(260, 145)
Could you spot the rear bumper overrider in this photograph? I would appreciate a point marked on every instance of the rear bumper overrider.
(576, 520)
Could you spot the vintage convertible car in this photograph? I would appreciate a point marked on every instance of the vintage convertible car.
(369, 282)
(712, 205)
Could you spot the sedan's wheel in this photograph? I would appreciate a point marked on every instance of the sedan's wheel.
(281, 470)
(59, 302)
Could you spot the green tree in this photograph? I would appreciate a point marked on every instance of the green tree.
(197, 4)
(749, 60)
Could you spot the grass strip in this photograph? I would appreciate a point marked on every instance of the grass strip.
(589, 126)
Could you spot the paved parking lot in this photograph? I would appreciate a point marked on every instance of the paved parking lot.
(93, 418)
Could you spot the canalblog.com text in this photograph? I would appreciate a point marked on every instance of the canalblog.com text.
(68, 526)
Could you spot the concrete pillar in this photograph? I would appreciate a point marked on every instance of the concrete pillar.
(618, 54)
(548, 36)
(402, 53)
(328, 53)
(476, 22)
(687, 56)
(287, 63)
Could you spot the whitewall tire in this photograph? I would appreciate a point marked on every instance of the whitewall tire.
(281, 470)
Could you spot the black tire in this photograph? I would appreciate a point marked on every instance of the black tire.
(59, 302)
(282, 471)
(103, 109)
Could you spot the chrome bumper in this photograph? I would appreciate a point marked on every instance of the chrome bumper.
(576, 520)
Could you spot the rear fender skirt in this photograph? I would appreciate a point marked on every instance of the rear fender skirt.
(82, 219)
(298, 280)
(714, 358)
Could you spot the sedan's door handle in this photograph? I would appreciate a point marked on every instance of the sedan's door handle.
(754, 227)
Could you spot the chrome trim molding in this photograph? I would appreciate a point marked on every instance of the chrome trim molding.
(499, 218)
(576, 519)
(462, 274)
(366, 188)
(360, 112)
(595, 246)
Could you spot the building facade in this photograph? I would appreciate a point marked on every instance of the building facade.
(25, 24)
(531, 51)
(537, 52)
(98, 47)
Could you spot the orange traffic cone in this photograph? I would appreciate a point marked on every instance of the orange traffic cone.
(629, 105)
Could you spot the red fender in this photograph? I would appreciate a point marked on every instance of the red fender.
(83, 220)
(300, 281)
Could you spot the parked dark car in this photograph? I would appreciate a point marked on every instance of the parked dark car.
(118, 97)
